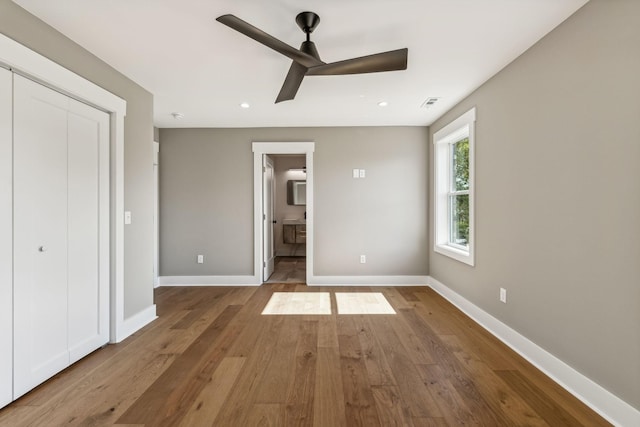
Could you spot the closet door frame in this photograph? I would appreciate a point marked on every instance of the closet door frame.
(24, 61)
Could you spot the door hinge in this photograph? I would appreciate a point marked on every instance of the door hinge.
(264, 217)
(264, 264)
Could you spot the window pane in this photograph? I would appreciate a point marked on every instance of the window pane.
(459, 209)
(460, 165)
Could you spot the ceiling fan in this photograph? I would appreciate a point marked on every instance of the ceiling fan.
(306, 60)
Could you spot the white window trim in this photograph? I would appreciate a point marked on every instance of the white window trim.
(453, 132)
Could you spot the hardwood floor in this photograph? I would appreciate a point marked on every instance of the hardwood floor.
(289, 269)
(211, 359)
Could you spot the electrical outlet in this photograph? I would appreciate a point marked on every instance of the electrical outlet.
(503, 295)
(200, 259)
(363, 259)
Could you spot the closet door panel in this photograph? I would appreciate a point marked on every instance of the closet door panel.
(6, 239)
(88, 291)
(40, 234)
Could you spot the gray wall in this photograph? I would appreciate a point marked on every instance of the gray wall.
(28, 30)
(558, 196)
(206, 199)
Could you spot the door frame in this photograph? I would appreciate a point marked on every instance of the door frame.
(259, 149)
(156, 213)
(24, 61)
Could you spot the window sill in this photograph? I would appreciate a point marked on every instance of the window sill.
(455, 253)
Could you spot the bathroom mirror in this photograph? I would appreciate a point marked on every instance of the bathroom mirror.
(296, 192)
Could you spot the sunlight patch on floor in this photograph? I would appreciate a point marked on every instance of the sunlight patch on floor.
(298, 303)
(363, 303)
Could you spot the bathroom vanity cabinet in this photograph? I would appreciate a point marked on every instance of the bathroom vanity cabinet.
(294, 233)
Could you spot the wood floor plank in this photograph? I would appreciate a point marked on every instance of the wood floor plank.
(300, 391)
(477, 340)
(555, 393)
(377, 367)
(395, 298)
(460, 378)
(329, 405)
(170, 396)
(207, 405)
(412, 389)
(243, 394)
(549, 410)
(111, 392)
(250, 322)
(389, 406)
(211, 358)
(265, 415)
(199, 307)
(429, 422)
(408, 292)
(453, 407)
(327, 333)
(13, 415)
(497, 393)
(281, 366)
(359, 402)
(417, 350)
(433, 314)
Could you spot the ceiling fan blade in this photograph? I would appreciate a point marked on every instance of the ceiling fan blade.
(292, 82)
(268, 40)
(386, 61)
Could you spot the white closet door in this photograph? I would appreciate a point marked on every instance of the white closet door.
(88, 201)
(6, 240)
(40, 234)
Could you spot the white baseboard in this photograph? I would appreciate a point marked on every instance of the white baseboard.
(368, 280)
(136, 322)
(209, 281)
(609, 406)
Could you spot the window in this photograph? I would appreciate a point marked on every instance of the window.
(454, 188)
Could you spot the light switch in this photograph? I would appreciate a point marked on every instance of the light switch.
(127, 217)
(356, 173)
(362, 173)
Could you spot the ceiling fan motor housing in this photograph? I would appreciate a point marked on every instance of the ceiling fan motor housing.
(307, 21)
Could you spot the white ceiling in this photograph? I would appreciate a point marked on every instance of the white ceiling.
(204, 70)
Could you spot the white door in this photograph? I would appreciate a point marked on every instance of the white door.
(88, 238)
(40, 234)
(268, 216)
(61, 203)
(6, 244)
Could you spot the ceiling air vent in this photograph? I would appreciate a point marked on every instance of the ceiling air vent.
(429, 102)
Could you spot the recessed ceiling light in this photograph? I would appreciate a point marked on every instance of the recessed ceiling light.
(383, 104)
(177, 116)
(245, 105)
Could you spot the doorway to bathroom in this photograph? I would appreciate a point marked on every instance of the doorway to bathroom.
(283, 211)
(289, 207)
